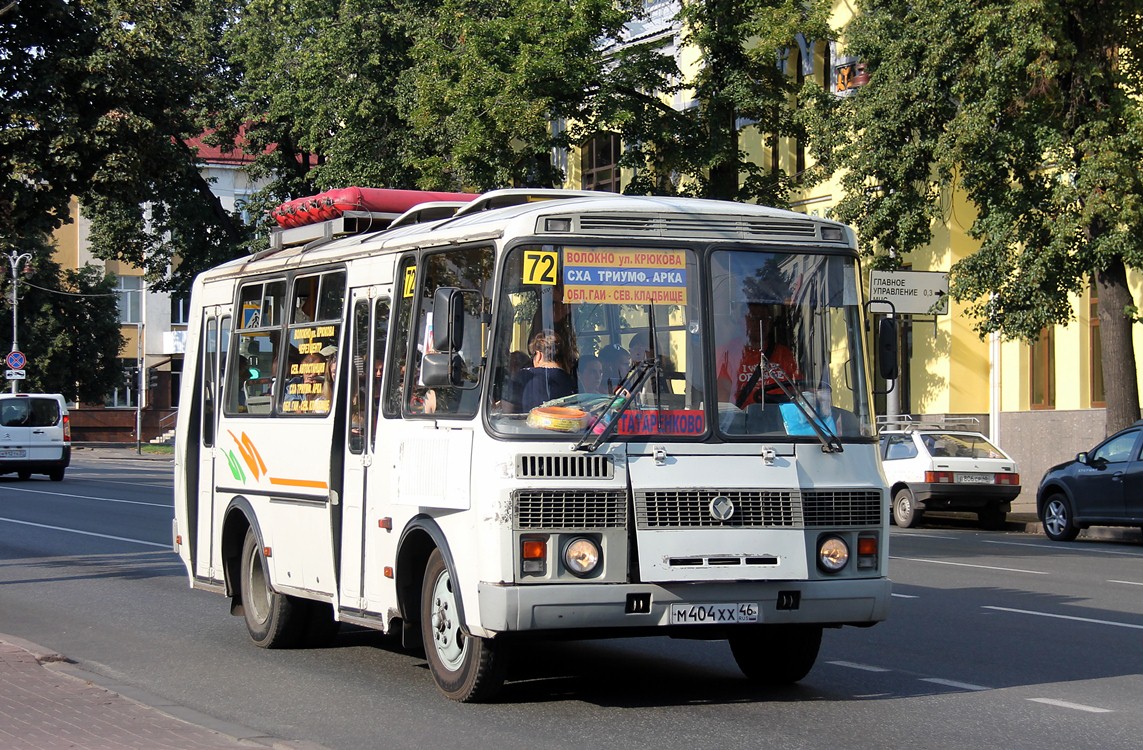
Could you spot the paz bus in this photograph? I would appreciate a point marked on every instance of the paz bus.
(536, 414)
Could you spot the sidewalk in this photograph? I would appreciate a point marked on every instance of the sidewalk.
(47, 703)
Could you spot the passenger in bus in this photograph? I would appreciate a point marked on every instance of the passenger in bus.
(616, 362)
(641, 351)
(740, 356)
(548, 377)
(589, 372)
(330, 354)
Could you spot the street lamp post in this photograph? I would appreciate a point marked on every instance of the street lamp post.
(16, 260)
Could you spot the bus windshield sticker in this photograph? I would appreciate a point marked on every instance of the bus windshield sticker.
(625, 276)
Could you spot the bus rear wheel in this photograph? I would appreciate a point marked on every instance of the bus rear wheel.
(465, 668)
(775, 655)
(274, 620)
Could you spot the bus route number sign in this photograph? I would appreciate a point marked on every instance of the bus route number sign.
(713, 614)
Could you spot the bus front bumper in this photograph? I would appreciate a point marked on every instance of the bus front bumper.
(586, 606)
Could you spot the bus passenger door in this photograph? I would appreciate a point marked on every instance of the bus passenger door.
(369, 320)
(215, 330)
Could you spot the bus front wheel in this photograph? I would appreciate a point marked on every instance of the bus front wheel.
(464, 667)
(776, 655)
(274, 620)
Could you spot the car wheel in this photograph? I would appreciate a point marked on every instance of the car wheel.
(274, 620)
(56, 475)
(24, 475)
(992, 518)
(776, 655)
(464, 667)
(905, 513)
(1056, 516)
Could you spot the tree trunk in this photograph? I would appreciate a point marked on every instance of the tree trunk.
(1120, 378)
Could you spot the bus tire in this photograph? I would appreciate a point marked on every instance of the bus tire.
(775, 655)
(465, 668)
(274, 620)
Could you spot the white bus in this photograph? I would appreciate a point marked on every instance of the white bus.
(550, 414)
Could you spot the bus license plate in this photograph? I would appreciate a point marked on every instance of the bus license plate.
(713, 614)
(20, 453)
(965, 478)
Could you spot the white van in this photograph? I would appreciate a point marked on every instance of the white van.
(35, 435)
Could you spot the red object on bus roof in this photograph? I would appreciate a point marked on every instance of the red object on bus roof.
(333, 203)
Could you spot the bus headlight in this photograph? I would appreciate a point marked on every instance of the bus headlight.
(582, 556)
(833, 554)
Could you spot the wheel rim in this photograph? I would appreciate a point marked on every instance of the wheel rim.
(1056, 517)
(448, 641)
(257, 590)
(904, 507)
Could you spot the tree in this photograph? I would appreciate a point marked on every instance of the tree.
(738, 87)
(1033, 110)
(67, 326)
(100, 99)
(315, 95)
(487, 80)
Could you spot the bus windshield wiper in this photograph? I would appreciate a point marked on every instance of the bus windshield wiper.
(607, 421)
(831, 443)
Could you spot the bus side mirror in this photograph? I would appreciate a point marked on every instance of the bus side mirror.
(448, 328)
(442, 369)
(887, 348)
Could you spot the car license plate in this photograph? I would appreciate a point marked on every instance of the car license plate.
(966, 478)
(13, 453)
(708, 614)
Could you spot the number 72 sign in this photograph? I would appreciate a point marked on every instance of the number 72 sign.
(541, 267)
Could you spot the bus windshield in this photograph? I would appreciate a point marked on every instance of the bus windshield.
(590, 335)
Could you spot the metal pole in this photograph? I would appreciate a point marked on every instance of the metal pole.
(16, 260)
(139, 387)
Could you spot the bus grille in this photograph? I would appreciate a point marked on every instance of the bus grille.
(841, 508)
(564, 467)
(659, 509)
(570, 509)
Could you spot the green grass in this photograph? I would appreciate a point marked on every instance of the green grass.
(162, 450)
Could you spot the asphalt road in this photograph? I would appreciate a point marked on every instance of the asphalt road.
(995, 639)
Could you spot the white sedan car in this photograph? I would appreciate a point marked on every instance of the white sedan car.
(947, 470)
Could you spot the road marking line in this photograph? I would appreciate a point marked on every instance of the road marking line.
(954, 684)
(1055, 547)
(1129, 583)
(89, 497)
(969, 565)
(905, 596)
(1066, 617)
(1076, 706)
(86, 533)
(924, 536)
(862, 667)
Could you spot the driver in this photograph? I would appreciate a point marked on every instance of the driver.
(738, 360)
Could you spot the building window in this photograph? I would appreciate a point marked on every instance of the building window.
(599, 157)
(180, 309)
(1041, 366)
(130, 291)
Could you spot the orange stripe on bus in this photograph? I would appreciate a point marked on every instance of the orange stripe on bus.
(299, 483)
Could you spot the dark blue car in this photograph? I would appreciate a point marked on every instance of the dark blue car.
(1102, 487)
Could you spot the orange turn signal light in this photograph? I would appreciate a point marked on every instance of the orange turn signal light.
(535, 549)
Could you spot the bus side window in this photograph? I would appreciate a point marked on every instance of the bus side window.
(399, 355)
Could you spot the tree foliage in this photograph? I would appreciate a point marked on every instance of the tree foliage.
(100, 98)
(67, 326)
(1033, 110)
